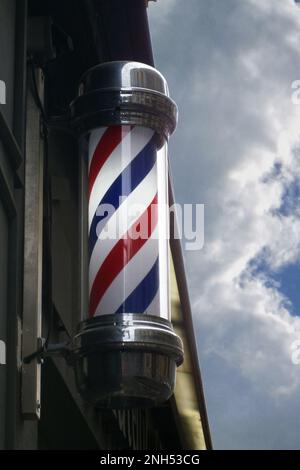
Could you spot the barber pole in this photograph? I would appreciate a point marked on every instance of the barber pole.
(123, 250)
(126, 350)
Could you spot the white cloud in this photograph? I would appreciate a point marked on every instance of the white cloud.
(230, 66)
(160, 11)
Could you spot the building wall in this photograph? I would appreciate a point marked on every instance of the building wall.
(11, 157)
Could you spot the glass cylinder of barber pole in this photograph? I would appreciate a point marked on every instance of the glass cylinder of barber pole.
(126, 349)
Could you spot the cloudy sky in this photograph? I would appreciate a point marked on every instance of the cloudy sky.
(230, 65)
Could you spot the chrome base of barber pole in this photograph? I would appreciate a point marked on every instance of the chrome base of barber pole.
(126, 360)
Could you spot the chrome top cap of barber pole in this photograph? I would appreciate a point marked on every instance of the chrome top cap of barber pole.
(124, 93)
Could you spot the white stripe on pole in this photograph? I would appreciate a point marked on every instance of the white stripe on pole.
(154, 307)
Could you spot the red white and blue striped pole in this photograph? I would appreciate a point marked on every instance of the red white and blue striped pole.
(124, 270)
(126, 349)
